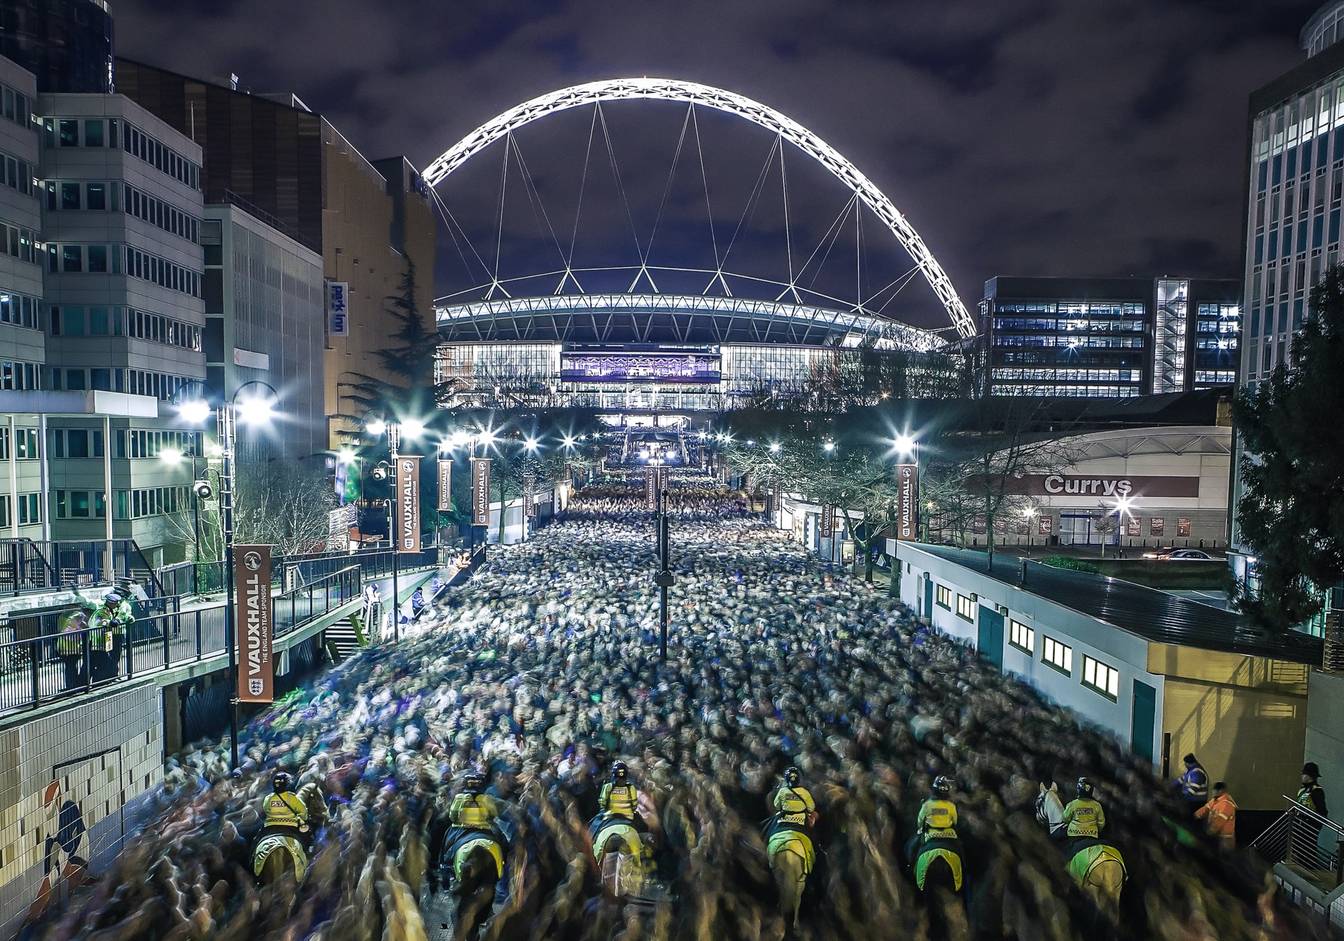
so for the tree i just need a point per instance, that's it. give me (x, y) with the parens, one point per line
(1291, 510)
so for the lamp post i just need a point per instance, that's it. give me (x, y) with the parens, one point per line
(411, 428)
(1030, 514)
(200, 490)
(252, 409)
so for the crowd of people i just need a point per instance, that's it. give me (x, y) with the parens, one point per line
(542, 672)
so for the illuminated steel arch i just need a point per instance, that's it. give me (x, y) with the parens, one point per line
(696, 94)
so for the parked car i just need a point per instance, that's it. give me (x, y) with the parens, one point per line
(1172, 554)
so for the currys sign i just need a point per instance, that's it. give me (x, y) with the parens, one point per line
(1101, 486)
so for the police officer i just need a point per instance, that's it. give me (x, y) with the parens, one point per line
(70, 647)
(1084, 817)
(1311, 794)
(285, 811)
(619, 797)
(472, 810)
(1193, 785)
(937, 818)
(793, 803)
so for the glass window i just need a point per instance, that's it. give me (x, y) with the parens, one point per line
(1021, 636)
(93, 133)
(77, 442)
(1057, 655)
(943, 597)
(72, 258)
(1100, 677)
(68, 132)
(69, 195)
(97, 257)
(96, 196)
(965, 608)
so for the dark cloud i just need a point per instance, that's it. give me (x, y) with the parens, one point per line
(1019, 137)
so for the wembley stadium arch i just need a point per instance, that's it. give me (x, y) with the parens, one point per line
(677, 339)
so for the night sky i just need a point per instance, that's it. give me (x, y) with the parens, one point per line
(1069, 137)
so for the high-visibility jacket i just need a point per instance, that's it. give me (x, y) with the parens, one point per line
(794, 805)
(938, 819)
(1195, 784)
(1313, 796)
(286, 809)
(70, 641)
(1084, 817)
(1221, 813)
(473, 811)
(620, 800)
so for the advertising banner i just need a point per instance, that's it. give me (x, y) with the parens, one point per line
(445, 484)
(827, 521)
(253, 623)
(1133, 526)
(651, 488)
(639, 366)
(1157, 525)
(907, 502)
(1183, 527)
(530, 504)
(338, 308)
(480, 491)
(1046, 525)
(408, 504)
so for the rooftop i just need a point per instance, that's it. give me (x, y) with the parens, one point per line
(1154, 615)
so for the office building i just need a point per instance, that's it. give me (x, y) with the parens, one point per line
(1109, 337)
(65, 44)
(264, 308)
(293, 168)
(1295, 186)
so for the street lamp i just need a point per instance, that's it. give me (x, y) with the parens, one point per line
(411, 428)
(1121, 510)
(1030, 514)
(252, 403)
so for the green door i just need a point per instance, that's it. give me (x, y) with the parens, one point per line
(928, 597)
(990, 643)
(1143, 711)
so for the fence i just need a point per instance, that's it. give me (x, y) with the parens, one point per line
(52, 666)
(30, 565)
(179, 579)
(1306, 842)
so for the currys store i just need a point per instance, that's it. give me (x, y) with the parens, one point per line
(1140, 488)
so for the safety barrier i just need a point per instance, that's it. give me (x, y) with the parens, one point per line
(31, 565)
(39, 670)
(1310, 845)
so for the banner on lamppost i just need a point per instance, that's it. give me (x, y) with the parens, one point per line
(408, 504)
(651, 488)
(907, 502)
(480, 491)
(827, 521)
(445, 484)
(253, 623)
(530, 504)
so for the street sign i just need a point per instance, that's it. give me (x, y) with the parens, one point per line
(408, 504)
(253, 623)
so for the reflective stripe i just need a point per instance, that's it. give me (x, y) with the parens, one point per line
(621, 800)
(281, 812)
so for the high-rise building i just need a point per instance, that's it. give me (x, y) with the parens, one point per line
(367, 220)
(65, 44)
(1295, 186)
(103, 312)
(1109, 337)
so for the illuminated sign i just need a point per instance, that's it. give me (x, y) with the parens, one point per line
(636, 366)
(408, 504)
(338, 308)
(907, 502)
(252, 619)
(480, 491)
(1077, 485)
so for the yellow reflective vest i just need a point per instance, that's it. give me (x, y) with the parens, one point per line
(286, 810)
(794, 804)
(473, 811)
(1084, 817)
(938, 819)
(619, 800)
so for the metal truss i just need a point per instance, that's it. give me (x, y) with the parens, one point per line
(729, 102)
(670, 318)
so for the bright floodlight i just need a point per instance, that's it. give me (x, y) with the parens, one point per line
(774, 447)
(828, 447)
(195, 411)
(1122, 505)
(376, 427)
(904, 443)
(458, 439)
(412, 428)
(345, 456)
(568, 441)
(487, 437)
(531, 444)
(170, 456)
(1029, 512)
(256, 410)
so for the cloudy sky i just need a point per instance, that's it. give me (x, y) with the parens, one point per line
(1068, 137)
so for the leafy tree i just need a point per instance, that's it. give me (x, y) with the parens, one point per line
(1291, 510)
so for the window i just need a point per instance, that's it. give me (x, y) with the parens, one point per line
(1021, 636)
(96, 196)
(68, 131)
(965, 608)
(30, 509)
(93, 133)
(943, 597)
(98, 258)
(25, 444)
(1057, 655)
(1100, 677)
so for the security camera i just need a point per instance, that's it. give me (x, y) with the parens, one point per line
(203, 490)
(379, 472)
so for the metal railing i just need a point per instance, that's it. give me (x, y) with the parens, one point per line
(1308, 843)
(31, 565)
(179, 579)
(60, 664)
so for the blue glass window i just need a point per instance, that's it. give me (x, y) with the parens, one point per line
(1317, 230)
(1287, 240)
(1278, 169)
(1283, 317)
(1274, 244)
(1298, 314)
(1334, 226)
(1259, 249)
(1255, 321)
(1263, 176)
(1292, 163)
(1301, 235)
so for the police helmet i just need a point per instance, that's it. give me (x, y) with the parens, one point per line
(282, 782)
(942, 785)
(620, 772)
(792, 776)
(474, 780)
(1084, 787)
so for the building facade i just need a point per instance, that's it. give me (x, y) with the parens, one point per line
(1109, 337)
(294, 169)
(65, 44)
(1295, 187)
(264, 312)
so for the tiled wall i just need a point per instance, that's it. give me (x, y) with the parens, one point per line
(74, 784)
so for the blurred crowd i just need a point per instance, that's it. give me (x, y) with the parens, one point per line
(544, 669)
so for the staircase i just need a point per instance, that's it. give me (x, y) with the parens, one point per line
(345, 637)
(1307, 851)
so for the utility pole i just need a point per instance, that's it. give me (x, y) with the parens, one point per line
(664, 579)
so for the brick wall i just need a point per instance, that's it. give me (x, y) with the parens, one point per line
(74, 785)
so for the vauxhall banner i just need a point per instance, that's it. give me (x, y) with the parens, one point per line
(408, 504)
(253, 623)
(445, 484)
(651, 488)
(827, 521)
(907, 502)
(529, 501)
(480, 491)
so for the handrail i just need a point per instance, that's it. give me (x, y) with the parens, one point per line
(1295, 840)
(52, 666)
